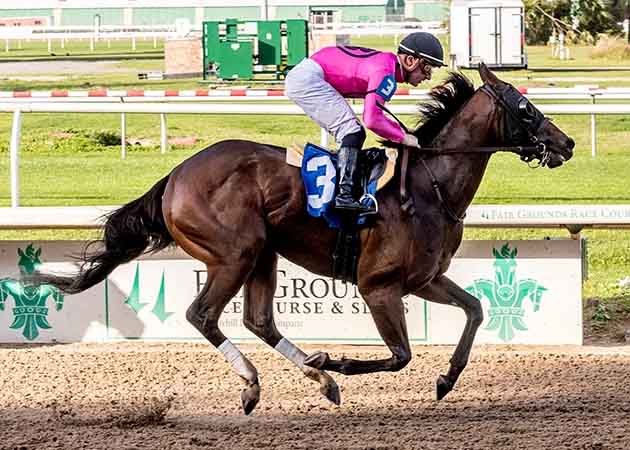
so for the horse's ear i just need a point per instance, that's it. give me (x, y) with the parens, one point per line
(486, 75)
(20, 253)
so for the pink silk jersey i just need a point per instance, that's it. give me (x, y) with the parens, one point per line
(357, 72)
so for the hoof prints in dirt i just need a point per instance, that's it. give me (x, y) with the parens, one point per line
(146, 412)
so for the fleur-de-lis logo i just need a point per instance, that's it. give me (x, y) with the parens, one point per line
(506, 295)
(30, 313)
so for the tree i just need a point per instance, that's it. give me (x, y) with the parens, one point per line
(593, 17)
(585, 19)
(538, 24)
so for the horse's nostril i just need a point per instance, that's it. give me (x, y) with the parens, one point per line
(570, 143)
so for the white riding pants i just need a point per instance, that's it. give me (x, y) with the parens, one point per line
(306, 86)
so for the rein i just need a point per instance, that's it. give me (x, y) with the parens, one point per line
(527, 153)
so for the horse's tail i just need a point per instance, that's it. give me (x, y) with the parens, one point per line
(136, 228)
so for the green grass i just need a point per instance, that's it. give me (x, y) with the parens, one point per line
(538, 56)
(74, 169)
(580, 56)
(78, 48)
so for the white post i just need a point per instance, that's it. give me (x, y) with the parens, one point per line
(6, 45)
(154, 41)
(15, 158)
(324, 139)
(133, 43)
(49, 45)
(593, 131)
(109, 43)
(63, 42)
(91, 44)
(163, 134)
(123, 136)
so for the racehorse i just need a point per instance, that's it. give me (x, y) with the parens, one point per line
(237, 205)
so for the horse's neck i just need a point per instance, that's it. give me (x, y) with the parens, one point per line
(460, 174)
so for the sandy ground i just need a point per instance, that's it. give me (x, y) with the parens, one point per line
(184, 396)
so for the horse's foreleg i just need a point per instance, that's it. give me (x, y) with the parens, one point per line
(258, 318)
(204, 313)
(443, 290)
(388, 313)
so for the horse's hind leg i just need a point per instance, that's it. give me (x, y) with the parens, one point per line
(258, 318)
(388, 313)
(443, 290)
(222, 285)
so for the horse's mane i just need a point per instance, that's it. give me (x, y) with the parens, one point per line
(446, 100)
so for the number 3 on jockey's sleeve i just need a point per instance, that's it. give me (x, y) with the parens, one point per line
(386, 88)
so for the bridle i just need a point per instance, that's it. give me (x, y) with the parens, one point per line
(522, 124)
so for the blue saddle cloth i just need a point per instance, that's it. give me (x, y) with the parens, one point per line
(319, 172)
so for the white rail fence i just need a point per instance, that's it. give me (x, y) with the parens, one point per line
(378, 28)
(16, 36)
(220, 109)
(591, 94)
(572, 217)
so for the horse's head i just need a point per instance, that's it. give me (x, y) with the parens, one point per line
(524, 125)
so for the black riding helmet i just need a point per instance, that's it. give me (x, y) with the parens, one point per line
(423, 45)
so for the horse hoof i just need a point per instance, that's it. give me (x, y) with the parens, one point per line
(442, 387)
(249, 398)
(330, 390)
(317, 360)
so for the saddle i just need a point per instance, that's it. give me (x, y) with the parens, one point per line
(378, 163)
(376, 167)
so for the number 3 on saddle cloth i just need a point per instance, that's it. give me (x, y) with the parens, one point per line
(318, 167)
(319, 174)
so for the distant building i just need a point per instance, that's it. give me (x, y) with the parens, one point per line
(165, 12)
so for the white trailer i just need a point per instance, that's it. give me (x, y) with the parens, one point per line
(489, 31)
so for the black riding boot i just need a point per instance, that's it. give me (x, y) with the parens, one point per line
(347, 164)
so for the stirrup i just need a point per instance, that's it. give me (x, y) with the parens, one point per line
(370, 209)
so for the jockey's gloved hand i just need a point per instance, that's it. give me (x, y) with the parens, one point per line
(410, 141)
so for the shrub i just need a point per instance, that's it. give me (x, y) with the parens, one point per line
(610, 47)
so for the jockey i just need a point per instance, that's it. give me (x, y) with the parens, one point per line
(319, 84)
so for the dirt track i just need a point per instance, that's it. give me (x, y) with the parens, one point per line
(112, 396)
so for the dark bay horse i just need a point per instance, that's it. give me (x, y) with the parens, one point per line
(237, 205)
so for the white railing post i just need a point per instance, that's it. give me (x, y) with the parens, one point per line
(123, 136)
(15, 158)
(324, 139)
(163, 134)
(593, 131)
